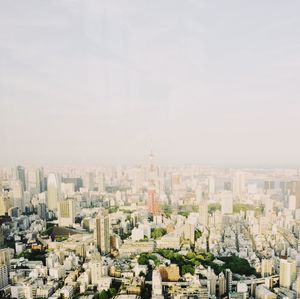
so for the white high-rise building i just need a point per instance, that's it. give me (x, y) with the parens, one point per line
(203, 213)
(211, 282)
(239, 184)
(156, 285)
(53, 191)
(98, 270)
(227, 203)
(211, 185)
(287, 273)
(292, 203)
(222, 284)
(18, 194)
(33, 181)
(199, 193)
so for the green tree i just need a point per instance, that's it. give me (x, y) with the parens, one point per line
(112, 292)
(143, 259)
(213, 207)
(157, 233)
(198, 234)
(187, 269)
(103, 295)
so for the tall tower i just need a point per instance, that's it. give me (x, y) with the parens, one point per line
(153, 205)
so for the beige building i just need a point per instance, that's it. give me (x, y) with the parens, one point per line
(6, 201)
(102, 238)
(66, 213)
(288, 272)
(266, 267)
(130, 247)
(170, 273)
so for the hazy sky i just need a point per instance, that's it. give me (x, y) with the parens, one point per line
(104, 81)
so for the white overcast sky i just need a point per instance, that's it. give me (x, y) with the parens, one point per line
(85, 82)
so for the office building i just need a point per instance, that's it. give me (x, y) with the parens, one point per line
(53, 191)
(66, 213)
(4, 267)
(102, 238)
(288, 272)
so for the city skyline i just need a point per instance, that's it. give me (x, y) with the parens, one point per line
(149, 149)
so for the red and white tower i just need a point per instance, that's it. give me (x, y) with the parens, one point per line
(153, 205)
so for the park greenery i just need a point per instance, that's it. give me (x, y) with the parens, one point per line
(212, 207)
(242, 207)
(144, 259)
(187, 263)
(106, 294)
(167, 210)
(34, 255)
(113, 210)
(157, 233)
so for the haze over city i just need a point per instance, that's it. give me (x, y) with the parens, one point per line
(103, 82)
(149, 149)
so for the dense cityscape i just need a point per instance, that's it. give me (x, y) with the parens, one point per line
(149, 149)
(149, 231)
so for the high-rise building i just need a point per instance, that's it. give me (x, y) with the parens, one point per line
(33, 181)
(42, 210)
(6, 200)
(20, 175)
(211, 282)
(153, 205)
(266, 267)
(222, 284)
(239, 184)
(228, 279)
(53, 191)
(102, 238)
(227, 203)
(1, 238)
(157, 285)
(292, 203)
(295, 190)
(211, 185)
(18, 194)
(199, 193)
(203, 212)
(4, 267)
(298, 286)
(97, 271)
(66, 213)
(189, 232)
(89, 181)
(287, 273)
